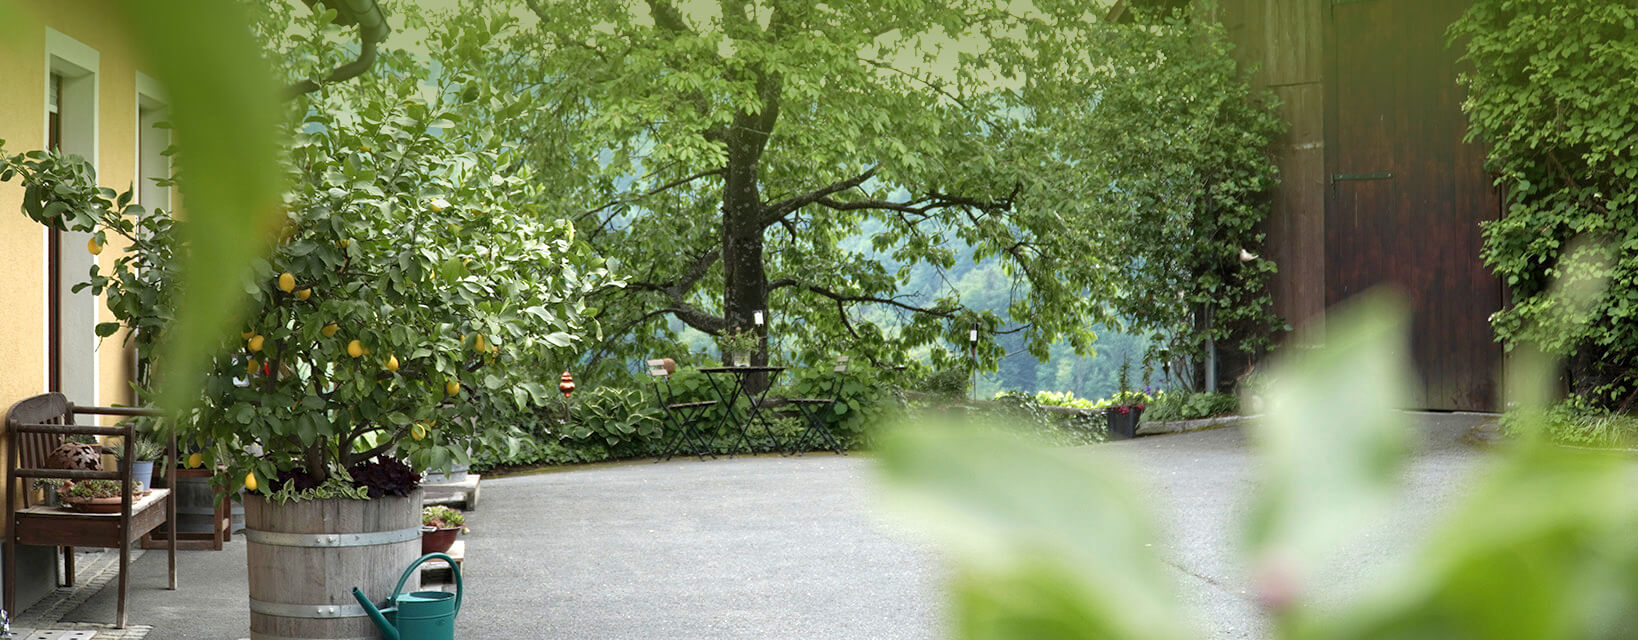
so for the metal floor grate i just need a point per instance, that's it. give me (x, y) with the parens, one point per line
(49, 634)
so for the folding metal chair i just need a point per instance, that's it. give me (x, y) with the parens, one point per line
(683, 416)
(818, 431)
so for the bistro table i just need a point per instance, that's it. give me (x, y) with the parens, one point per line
(753, 415)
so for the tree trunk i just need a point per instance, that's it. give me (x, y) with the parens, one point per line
(745, 281)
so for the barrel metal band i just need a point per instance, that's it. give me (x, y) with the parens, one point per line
(278, 539)
(288, 610)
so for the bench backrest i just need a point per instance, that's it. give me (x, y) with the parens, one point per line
(38, 425)
(33, 448)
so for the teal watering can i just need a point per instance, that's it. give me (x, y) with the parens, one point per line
(422, 615)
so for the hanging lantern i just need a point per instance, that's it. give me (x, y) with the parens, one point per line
(566, 385)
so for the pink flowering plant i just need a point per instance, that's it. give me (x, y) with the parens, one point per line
(1123, 402)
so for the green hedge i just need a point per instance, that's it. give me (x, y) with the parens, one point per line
(1183, 405)
(615, 422)
(1551, 94)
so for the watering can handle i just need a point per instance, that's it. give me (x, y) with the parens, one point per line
(454, 568)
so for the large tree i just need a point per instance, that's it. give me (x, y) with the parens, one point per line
(719, 153)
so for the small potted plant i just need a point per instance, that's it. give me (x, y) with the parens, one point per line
(439, 524)
(1125, 407)
(93, 496)
(147, 450)
(738, 345)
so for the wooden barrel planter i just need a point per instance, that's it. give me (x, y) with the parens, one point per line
(304, 558)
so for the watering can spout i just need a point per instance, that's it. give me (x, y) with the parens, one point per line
(387, 630)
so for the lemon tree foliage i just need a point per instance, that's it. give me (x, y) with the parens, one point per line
(720, 152)
(414, 295)
(1550, 92)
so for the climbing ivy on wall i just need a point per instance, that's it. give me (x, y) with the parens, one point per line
(1551, 91)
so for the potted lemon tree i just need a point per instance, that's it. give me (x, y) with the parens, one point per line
(413, 294)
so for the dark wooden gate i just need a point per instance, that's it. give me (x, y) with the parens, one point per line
(1405, 195)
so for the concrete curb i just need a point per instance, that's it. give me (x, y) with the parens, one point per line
(1185, 426)
(1150, 428)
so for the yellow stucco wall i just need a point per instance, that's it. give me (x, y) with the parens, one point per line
(23, 70)
(22, 241)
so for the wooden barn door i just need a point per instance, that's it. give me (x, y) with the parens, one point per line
(1406, 195)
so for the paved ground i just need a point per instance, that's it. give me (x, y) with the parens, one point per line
(1199, 481)
(778, 548)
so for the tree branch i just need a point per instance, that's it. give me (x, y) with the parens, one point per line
(777, 211)
(892, 302)
(665, 187)
(924, 206)
(698, 319)
(666, 16)
(695, 272)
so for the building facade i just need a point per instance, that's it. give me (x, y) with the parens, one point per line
(71, 82)
(1377, 185)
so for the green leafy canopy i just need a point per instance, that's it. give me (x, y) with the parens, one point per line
(720, 153)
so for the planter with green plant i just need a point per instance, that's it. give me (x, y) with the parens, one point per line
(147, 451)
(93, 496)
(738, 346)
(439, 526)
(1125, 408)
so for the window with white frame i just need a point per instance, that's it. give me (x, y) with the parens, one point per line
(71, 127)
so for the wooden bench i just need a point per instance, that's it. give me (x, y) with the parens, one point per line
(34, 428)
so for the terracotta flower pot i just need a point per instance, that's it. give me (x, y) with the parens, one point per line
(435, 540)
(93, 505)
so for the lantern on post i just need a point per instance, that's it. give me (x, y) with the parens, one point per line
(972, 351)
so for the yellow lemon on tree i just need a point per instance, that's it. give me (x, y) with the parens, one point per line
(477, 343)
(250, 481)
(246, 334)
(287, 282)
(304, 294)
(418, 432)
(93, 246)
(330, 330)
(392, 363)
(250, 367)
(355, 348)
(195, 460)
(452, 387)
(256, 343)
(437, 205)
